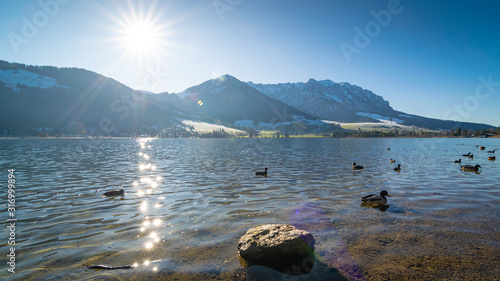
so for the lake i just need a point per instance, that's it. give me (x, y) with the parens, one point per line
(188, 201)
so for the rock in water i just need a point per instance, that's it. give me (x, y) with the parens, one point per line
(279, 246)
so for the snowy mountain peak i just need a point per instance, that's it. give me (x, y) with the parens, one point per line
(327, 99)
(226, 78)
(321, 83)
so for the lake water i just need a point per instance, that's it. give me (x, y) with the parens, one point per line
(188, 201)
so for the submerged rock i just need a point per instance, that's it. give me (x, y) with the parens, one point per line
(279, 246)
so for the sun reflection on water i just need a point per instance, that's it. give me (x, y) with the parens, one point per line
(147, 185)
(144, 206)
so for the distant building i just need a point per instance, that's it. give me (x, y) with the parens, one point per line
(486, 135)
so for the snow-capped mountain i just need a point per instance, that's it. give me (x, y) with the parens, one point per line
(73, 100)
(328, 100)
(349, 103)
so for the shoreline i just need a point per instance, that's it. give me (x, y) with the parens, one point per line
(241, 137)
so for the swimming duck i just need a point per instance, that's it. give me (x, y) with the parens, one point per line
(471, 156)
(492, 151)
(376, 199)
(398, 168)
(470, 168)
(392, 161)
(114, 192)
(482, 148)
(466, 155)
(261, 173)
(356, 167)
(491, 158)
(458, 161)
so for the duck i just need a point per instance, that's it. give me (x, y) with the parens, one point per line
(470, 168)
(376, 199)
(388, 148)
(491, 157)
(458, 161)
(357, 167)
(482, 148)
(114, 193)
(466, 155)
(398, 168)
(492, 151)
(392, 161)
(471, 156)
(262, 173)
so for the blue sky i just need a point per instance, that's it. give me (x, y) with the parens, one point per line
(438, 59)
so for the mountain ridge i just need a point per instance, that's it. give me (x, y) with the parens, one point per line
(345, 102)
(55, 97)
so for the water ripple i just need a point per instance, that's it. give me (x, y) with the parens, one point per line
(184, 195)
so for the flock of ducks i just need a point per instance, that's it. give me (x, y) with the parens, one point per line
(374, 200)
(371, 199)
(471, 168)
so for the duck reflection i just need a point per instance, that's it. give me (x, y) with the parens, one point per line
(381, 207)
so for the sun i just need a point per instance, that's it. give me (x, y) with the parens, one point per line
(140, 31)
(140, 37)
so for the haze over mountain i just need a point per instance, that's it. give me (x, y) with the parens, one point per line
(75, 100)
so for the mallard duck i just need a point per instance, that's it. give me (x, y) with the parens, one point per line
(262, 173)
(470, 168)
(492, 151)
(466, 155)
(356, 167)
(392, 161)
(398, 168)
(482, 148)
(376, 199)
(491, 157)
(458, 161)
(114, 192)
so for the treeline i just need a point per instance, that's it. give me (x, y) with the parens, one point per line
(415, 134)
(218, 134)
(459, 132)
